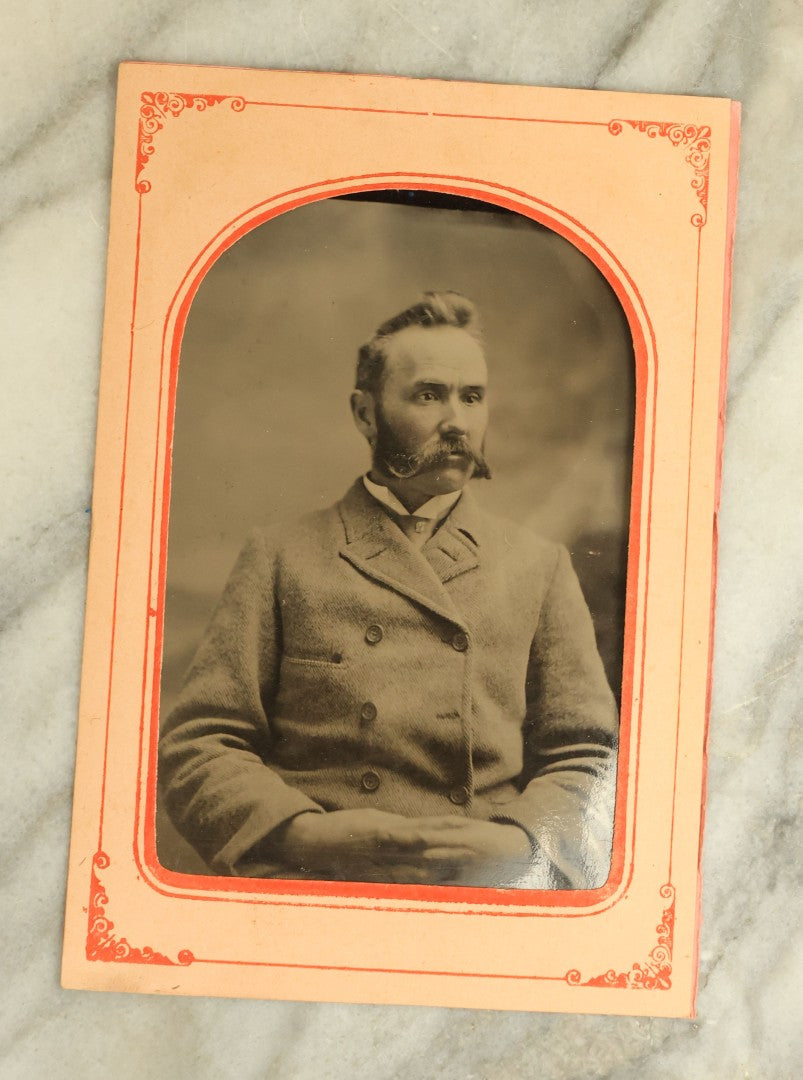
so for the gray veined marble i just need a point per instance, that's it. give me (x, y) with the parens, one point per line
(57, 83)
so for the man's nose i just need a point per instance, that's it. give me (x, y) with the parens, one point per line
(453, 420)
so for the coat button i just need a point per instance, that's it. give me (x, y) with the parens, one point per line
(460, 641)
(369, 781)
(459, 795)
(374, 634)
(368, 711)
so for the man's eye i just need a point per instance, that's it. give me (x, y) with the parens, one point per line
(427, 395)
(472, 399)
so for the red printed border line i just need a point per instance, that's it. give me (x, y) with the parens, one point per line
(104, 945)
(157, 106)
(151, 870)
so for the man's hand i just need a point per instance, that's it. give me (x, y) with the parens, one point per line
(482, 853)
(361, 845)
(372, 845)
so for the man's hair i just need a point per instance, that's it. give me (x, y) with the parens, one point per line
(434, 309)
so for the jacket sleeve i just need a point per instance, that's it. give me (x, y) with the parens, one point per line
(570, 741)
(219, 792)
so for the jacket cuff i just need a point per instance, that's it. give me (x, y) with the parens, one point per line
(233, 859)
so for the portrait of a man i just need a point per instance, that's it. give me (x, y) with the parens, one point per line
(401, 686)
(397, 656)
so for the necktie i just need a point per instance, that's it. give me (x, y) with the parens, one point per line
(417, 529)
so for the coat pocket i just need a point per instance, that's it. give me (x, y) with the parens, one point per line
(335, 660)
(316, 715)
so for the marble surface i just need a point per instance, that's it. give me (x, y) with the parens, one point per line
(58, 82)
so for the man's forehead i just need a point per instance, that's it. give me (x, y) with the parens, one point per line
(444, 353)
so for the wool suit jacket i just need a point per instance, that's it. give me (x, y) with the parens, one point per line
(345, 668)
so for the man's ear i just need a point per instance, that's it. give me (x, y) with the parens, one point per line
(363, 409)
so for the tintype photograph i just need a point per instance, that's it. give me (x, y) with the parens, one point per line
(398, 638)
(397, 553)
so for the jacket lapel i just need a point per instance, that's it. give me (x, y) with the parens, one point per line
(379, 549)
(454, 548)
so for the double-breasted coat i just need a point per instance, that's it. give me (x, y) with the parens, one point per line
(346, 668)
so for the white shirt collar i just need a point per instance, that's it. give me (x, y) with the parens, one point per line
(435, 508)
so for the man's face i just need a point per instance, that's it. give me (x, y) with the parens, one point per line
(432, 413)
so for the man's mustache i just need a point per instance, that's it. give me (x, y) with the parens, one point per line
(404, 464)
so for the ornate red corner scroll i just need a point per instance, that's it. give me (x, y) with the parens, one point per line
(697, 139)
(656, 972)
(103, 944)
(155, 109)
